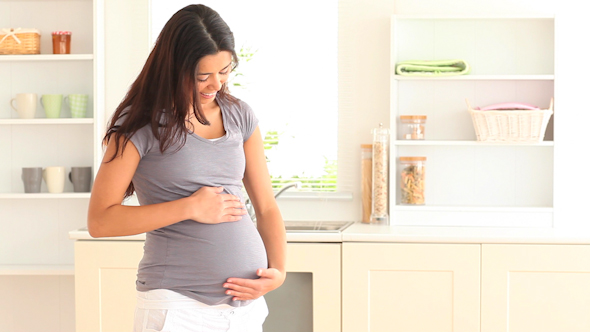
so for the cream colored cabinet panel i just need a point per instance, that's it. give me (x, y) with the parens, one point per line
(535, 288)
(323, 261)
(410, 287)
(106, 273)
(105, 284)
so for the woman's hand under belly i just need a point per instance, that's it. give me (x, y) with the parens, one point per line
(250, 289)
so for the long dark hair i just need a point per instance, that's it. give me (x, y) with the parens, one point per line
(166, 89)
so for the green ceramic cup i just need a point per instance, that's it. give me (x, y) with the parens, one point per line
(52, 105)
(77, 104)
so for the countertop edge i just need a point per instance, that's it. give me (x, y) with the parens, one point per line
(83, 235)
(463, 235)
(366, 233)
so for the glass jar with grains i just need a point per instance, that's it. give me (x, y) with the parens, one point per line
(366, 180)
(379, 197)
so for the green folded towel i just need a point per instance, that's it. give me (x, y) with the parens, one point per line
(433, 68)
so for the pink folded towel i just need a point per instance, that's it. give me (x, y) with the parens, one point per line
(508, 106)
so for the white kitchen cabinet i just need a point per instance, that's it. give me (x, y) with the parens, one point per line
(105, 284)
(410, 287)
(470, 183)
(106, 273)
(535, 288)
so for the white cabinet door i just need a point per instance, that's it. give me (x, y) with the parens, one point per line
(324, 262)
(535, 288)
(105, 284)
(410, 287)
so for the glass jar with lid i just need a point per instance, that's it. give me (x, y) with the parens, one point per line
(412, 127)
(61, 42)
(380, 162)
(366, 180)
(412, 181)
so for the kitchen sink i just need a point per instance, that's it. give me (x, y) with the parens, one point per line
(316, 226)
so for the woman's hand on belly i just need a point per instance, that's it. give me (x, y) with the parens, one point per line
(251, 289)
(207, 205)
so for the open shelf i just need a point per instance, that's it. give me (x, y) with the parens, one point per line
(60, 121)
(467, 143)
(31, 270)
(466, 216)
(37, 257)
(477, 78)
(43, 195)
(447, 208)
(468, 182)
(471, 17)
(46, 57)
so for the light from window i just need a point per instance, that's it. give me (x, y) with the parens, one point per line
(288, 74)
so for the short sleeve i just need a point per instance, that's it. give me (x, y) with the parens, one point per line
(249, 120)
(143, 139)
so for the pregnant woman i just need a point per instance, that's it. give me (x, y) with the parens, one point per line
(185, 146)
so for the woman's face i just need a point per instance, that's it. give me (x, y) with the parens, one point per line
(212, 73)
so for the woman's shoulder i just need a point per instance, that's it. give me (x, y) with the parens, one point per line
(125, 116)
(240, 113)
(141, 136)
(237, 108)
(234, 104)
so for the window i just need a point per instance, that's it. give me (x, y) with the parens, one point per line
(288, 73)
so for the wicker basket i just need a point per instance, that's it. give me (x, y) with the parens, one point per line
(20, 41)
(511, 126)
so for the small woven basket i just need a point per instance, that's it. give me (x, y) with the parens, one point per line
(20, 41)
(511, 126)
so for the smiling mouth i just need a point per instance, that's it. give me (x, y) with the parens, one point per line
(208, 95)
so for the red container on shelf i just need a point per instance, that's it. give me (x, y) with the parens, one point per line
(61, 42)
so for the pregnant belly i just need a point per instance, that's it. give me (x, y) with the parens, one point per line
(199, 258)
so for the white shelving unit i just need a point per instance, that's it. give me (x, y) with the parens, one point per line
(45, 121)
(471, 183)
(34, 247)
(36, 270)
(44, 196)
(465, 143)
(46, 57)
(478, 78)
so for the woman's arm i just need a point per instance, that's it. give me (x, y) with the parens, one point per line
(107, 217)
(269, 222)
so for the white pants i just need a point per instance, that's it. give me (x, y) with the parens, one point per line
(163, 310)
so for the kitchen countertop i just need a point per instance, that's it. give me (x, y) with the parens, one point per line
(82, 234)
(359, 232)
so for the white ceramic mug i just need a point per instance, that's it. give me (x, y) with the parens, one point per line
(55, 178)
(26, 105)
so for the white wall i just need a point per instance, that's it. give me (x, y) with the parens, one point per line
(364, 69)
(364, 88)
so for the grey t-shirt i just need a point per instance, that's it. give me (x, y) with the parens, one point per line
(188, 257)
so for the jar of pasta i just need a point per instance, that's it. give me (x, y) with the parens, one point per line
(412, 126)
(412, 180)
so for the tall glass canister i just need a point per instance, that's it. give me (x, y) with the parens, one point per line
(366, 180)
(380, 193)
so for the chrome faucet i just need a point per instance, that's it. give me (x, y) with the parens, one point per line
(250, 207)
